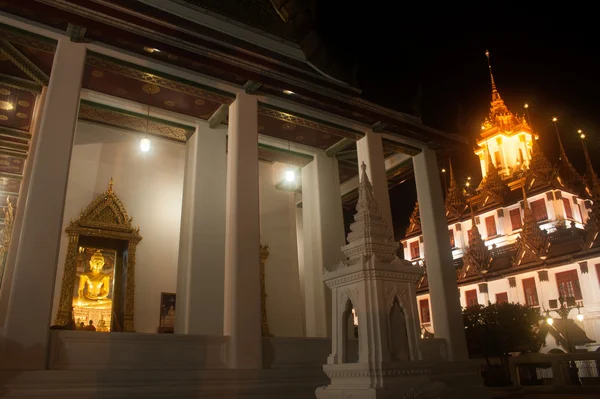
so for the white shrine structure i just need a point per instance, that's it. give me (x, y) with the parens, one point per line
(175, 173)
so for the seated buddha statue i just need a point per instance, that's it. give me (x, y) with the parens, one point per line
(94, 286)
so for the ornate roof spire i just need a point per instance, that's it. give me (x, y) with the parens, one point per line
(499, 113)
(110, 186)
(369, 233)
(477, 256)
(495, 93)
(367, 220)
(532, 245)
(539, 166)
(591, 176)
(414, 225)
(565, 168)
(455, 201)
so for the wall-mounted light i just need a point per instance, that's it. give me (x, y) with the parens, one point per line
(145, 145)
(290, 175)
(288, 92)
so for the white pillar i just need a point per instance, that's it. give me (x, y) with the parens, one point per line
(301, 267)
(201, 268)
(6, 280)
(323, 230)
(443, 289)
(242, 248)
(30, 304)
(370, 151)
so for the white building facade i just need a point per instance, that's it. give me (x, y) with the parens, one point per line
(536, 228)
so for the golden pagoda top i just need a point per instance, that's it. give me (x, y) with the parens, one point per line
(500, 118)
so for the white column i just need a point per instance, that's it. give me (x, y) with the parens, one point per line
(6, 280)
(30, 304)
(301, 267)
(370, 151)
(443, 289)
(201, 270)
(323, 230)
(242, 245)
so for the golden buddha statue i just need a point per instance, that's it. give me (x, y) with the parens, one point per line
(94, 286)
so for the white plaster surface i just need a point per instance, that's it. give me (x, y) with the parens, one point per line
(278, 231)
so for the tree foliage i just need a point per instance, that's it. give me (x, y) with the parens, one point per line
(498, 329)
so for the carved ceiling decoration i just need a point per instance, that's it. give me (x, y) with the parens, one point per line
(149, 87)
(301, 129)
(115, 117)
(16, 106)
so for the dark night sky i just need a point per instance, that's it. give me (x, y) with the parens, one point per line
(541, 60)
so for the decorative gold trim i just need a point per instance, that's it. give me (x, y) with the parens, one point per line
(306, 122)
(139, 123)
(26, 40)
(107, 65)
(104, 217)
(23, 63)
(264, 255)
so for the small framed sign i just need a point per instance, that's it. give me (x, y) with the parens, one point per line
(167, 313)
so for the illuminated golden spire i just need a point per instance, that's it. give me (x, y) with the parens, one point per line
(495, 93)
(499, 113)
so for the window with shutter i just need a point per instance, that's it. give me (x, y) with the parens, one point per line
(451, 234)
(530, 291)
(568, 285)
(414, 250)
(538, 208)
(502, 297)
(471, 298)
(424, 309)
(568, 210)
(490, 225)
(515, 218)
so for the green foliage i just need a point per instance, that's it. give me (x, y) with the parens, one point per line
(498, 329)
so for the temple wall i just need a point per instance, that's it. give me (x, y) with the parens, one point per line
(547, 290)
(150, 186)
(278, 231)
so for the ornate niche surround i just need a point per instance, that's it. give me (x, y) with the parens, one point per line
(104, 218)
